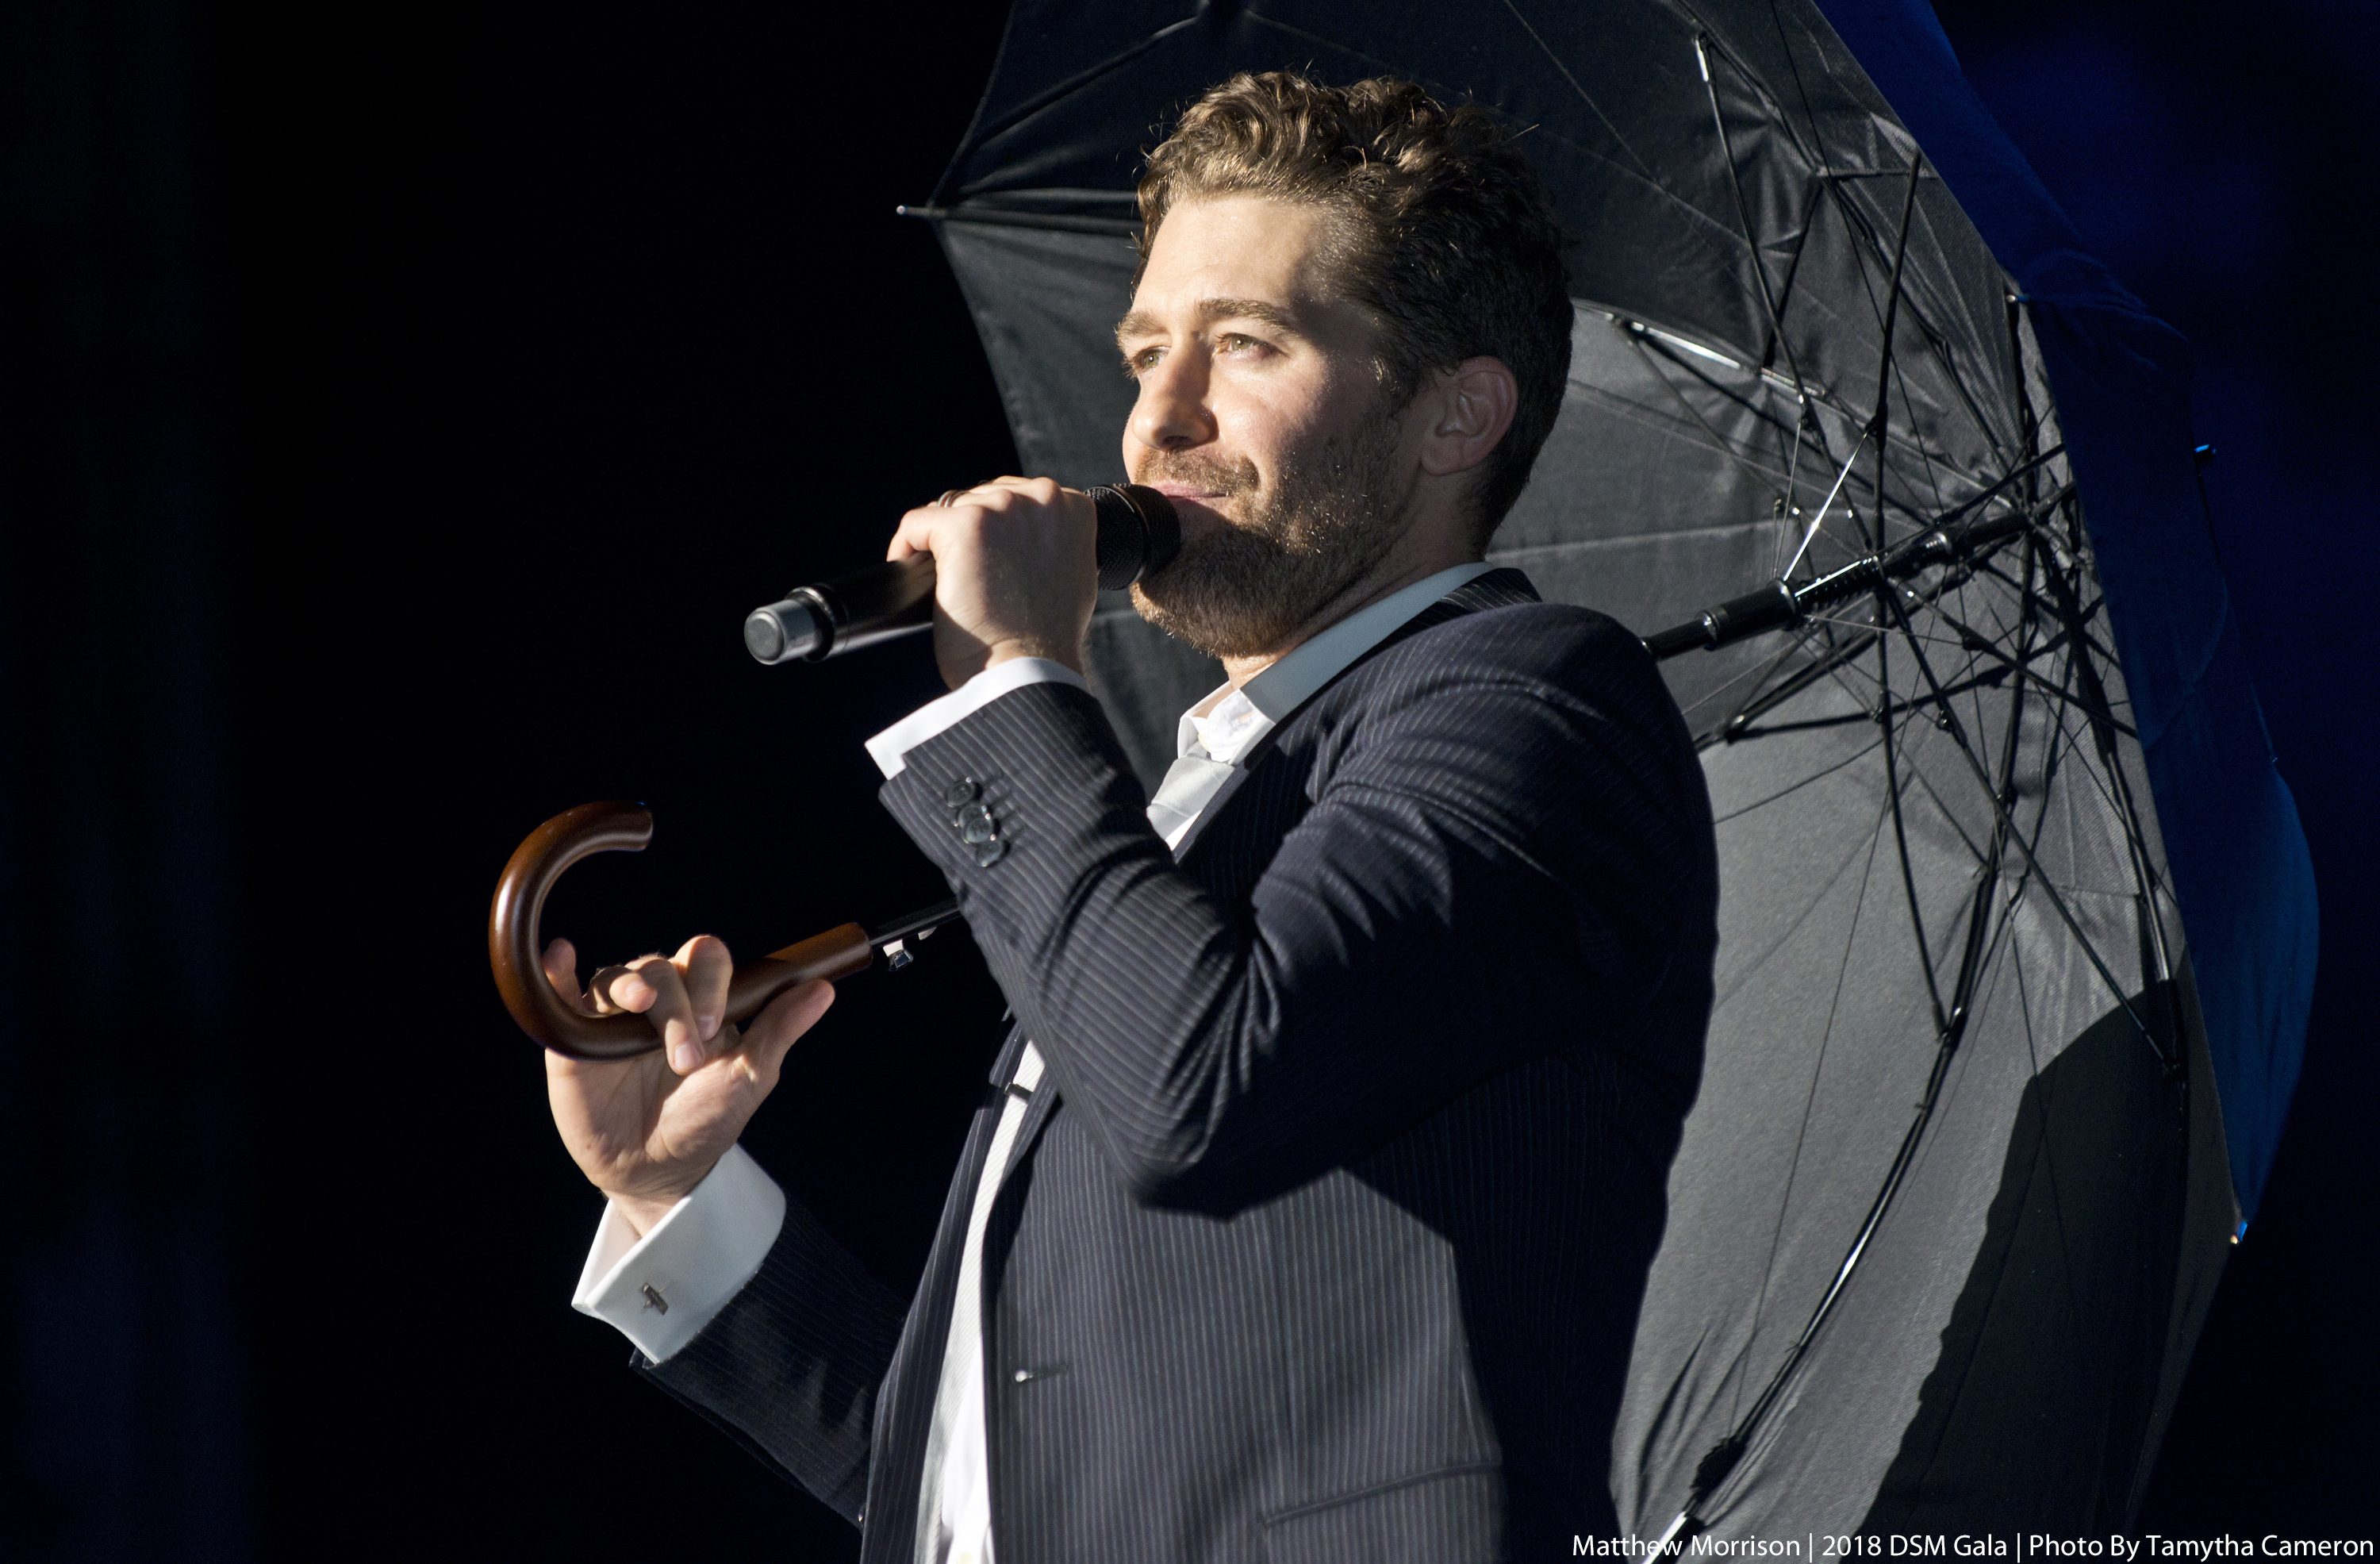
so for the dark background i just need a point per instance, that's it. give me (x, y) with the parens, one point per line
(399, 405)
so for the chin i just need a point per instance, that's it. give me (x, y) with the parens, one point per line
(1235, 592)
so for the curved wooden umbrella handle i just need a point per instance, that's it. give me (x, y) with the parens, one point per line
(514, 948)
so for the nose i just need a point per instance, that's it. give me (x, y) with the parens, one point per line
(1172, 414)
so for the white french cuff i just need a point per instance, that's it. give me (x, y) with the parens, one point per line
(660, 1290)
(888, 748)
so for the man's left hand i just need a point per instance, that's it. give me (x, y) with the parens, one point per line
(1015, 573)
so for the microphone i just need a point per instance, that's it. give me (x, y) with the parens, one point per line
(1138, 535)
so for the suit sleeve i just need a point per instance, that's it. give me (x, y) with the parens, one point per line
(791, 1367)
(1496, 823)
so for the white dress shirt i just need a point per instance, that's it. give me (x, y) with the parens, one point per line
(660, 1289)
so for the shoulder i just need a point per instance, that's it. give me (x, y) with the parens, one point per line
(1557, 649)
(1531, 703)
(1543, 728)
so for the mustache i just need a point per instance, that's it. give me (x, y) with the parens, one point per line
(1210, 472)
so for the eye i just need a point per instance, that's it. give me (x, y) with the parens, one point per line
(1141, 362)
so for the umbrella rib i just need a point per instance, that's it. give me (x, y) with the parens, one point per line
(1720, 731)
(1825, 1040)
(2097, 710)
(2127, 811)
(2067, 739)
(1721, 1458)
(1816, 724)
(1627, 408)
(1974, 850)
(1926, 331)
(1788, 791)
(2087, 613)
(1908, 411)
(1642, 167)
(1819, 516)
(978, 135)
(2042, 1104)
(1759, 675)
(1986, 667)
(1738, 725)
(1877, 421)
(1901, 832)
(2073, 924)
(1725, 446)
(1806, 413)
(1801, 244)
(1836, 657)
(1751, 240)
(1621, 406)
(1963, 987)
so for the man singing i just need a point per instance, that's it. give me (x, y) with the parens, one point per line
(1308, 1208)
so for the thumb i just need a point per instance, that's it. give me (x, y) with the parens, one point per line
(790, 1014)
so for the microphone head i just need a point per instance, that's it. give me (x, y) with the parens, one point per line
(786, 631)
(1138, 535)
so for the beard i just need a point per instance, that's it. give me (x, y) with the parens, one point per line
(1244, 590)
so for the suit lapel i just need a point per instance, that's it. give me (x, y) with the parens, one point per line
(1231, 785)
(1037, 1109)
(1003, 1068)
(1501, 588)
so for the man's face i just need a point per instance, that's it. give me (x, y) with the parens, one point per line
(1261, 414)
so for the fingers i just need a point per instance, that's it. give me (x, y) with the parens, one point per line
(561, 963)
(683, 997)
(706, 966)
(967, 511)
(651, 986)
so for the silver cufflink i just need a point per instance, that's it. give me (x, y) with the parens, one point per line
(653, 1299)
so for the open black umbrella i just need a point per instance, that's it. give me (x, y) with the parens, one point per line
(2017, 923)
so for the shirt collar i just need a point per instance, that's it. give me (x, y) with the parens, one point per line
(1226, 721)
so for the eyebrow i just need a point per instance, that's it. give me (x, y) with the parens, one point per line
(1140, 323)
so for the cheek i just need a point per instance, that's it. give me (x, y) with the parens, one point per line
(1268, 424)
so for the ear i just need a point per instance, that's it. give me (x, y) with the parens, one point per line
(1471, 407)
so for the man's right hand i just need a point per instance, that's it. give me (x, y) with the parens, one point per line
(646, 1130)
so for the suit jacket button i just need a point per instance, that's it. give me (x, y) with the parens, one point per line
(959, 794)
(989, 853)
(977, 830)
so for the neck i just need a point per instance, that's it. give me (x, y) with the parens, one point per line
(1400, 569)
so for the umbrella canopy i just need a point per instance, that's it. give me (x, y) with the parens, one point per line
(2016, 921)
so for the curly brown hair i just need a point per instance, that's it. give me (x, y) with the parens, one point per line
(1441, 229)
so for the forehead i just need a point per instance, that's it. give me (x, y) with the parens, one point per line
(1237, 247)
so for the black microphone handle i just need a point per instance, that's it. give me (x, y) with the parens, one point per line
(1138, 533)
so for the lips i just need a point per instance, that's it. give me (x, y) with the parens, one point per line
(1196, 510)
(1205, 489)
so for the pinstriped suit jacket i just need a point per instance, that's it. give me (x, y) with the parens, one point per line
(1324, 1237)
